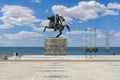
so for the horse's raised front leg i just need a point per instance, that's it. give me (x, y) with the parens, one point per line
(59, 34)
(45, 29)
(67, 27)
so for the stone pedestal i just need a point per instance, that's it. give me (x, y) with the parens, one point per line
(55, 46)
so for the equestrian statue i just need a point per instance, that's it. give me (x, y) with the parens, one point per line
(56, 24)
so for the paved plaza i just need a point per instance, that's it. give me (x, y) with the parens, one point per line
(59, 70)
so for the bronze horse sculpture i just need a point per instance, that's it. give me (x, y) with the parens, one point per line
(53, 25)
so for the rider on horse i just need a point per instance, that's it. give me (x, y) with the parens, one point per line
(56, 24)
(58, 21)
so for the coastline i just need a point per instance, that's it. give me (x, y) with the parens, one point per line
(67, 57)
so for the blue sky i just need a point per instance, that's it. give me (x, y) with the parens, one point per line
(22, 21)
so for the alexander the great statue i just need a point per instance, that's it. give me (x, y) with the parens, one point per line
(56, 23)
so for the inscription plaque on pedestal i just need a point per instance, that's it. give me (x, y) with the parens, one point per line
(55, 46)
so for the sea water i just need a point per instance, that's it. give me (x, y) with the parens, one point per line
(70, 51)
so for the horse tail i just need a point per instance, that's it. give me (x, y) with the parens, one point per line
(67, 27)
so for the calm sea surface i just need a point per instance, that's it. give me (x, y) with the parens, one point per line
(70, 51)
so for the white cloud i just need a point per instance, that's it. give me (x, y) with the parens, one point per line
(75, 32)
(36, 1)
(44, 23)
(16, 15)
(117, 34)
(114, 6)
(110, 12)
(100, 36)
(6, 26)
(89, 31)
(98, 32)
(65, 36)
(68, 19)
(38, 29)
(23, 35)
(85, 10)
